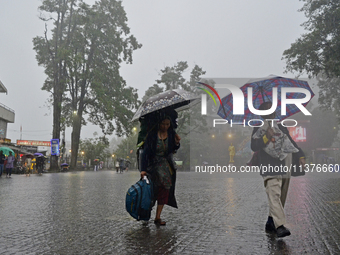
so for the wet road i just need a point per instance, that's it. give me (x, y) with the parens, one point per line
(84, 213)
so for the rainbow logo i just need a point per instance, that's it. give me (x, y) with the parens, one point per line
(204, 99)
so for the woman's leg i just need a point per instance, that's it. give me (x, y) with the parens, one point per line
(162, 199)
(159, 211)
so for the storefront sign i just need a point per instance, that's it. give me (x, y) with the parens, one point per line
(33, 143)
(5, 140)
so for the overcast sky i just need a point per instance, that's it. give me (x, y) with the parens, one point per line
(227, 38)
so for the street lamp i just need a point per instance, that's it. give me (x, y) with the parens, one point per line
(134, 129)
(82, 158)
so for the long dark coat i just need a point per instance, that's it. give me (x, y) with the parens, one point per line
(147, 161)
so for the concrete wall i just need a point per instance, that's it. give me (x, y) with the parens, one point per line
(6, 116)
(6, 113)
(3, 128)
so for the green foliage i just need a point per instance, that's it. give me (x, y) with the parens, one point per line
(82, 60)
(154, 90)
(318, 51)
(322, 130)
(95, 148)
(172, 77)
(127, 148)
(329, 94)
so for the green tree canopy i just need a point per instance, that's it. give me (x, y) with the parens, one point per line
(317, 51)
(96, 147)
(173, 77)
(325, 121)
(93, 42)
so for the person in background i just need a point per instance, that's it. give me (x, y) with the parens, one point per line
(117, 165)
(9, 165)
(40, 164)
(122, 165)
(2, 162)
(231, 150)
(28, 162)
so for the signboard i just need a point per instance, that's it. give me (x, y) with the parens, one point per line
(55, 147)
(298, 134)
(33, 143)
(5, 140)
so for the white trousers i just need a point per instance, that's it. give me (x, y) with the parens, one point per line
(277, 190)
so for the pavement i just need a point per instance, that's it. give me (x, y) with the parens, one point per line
(220, 213)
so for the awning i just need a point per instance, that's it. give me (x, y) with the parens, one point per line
(16, 149)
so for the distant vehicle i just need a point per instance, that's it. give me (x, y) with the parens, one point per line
(64, 167)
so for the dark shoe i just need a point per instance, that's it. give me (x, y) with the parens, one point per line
(270, 227)
(159, 222)
(282, 231)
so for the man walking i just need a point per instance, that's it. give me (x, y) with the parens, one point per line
(275, 149)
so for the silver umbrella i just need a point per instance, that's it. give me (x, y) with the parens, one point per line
(176, 99)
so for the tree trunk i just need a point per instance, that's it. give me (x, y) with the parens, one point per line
(75, 137)
(56, 127)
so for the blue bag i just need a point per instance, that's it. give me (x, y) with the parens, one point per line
(138, 201)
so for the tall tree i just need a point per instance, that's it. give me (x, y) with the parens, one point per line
(51, 55)
(317, 52)
(100, 42)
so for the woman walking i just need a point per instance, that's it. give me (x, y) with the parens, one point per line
(160, 143)
(9, 165)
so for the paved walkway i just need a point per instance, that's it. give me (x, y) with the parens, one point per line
(84, 213)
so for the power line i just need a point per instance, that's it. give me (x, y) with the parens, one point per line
(14, 130)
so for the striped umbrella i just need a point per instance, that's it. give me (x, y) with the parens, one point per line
(263, 92)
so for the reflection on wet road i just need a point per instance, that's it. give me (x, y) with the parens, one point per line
(84, 213)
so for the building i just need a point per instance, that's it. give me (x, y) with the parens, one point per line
(7, 115)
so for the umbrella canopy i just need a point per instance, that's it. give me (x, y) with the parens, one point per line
(6, 150)
(64, 164)
(262, 92)
(38, 154)
(28, 155)
(176, 99)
